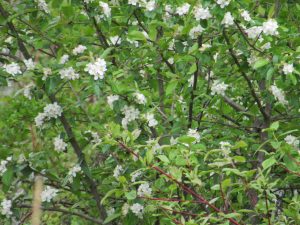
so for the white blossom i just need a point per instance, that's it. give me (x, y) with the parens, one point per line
(253, 32)
(144, 190)
(195, 134)
(228, 19)
(150, 6)
(73, 172)
(68, 73)
(48, 193)
(266, 46)
(278, 94)
(130, 113)
(135, 175)
(39, 119)
(79, 49)
(64, 59)
(292, 140)
(46, 71)
(53, 110)
(110, 211)
(3, 165)
(50, 111)
(137, 209)
(204, 47)
(96, 69)
(9, 40)
(218, 87)
(133, 2)
(88, 1)
(288, 68)
(27, 92)
(12, 68)
(223, 3)
(111, 99)
(140, 98)
(152, 122)
(115, 40)
(183, 9)
(117, 171)
(125, 209)
(196, 31)
(201, 13)
(59, 144)
(30, 65)
(105, 9)
(246, 16)
(225, 147)
(270, 27)
(6, 207)
(43, 6)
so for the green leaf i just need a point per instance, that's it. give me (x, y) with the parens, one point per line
(131, 195)
(274, 126)
(111, 218)
(269, 162)
(171, 87)
(186, 139)
(108, 194)
(7, 177)
(260, 63)
(136, 35)
(164, 159)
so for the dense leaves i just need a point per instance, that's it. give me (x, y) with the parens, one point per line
(150, 112)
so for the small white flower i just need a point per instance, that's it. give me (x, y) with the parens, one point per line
(288, 68)
(140, 98)
(133, 2)
(9, 40)
(73, 172)
(39, 119)
(223, 3)
(152, 122)
(130, 113)
(48, 194)
(43, 6)
(270, 27)
(96, 69)
(79, 49)
(204, 47)
(110, 211)
(27, 92)
(201, 13)
(292, 140)
(266, 46)
(59, 144)
(246, 16)
(125, 209)
(150, 6)
(195, 134)
(117, 171)
(30, 65)
(253, 32)
(64, 59)
(225, 147)
(46, 72)
(191, 81)
(6, 207)
(111, 99)
(68, 73)
(196, 31)
(228, 19)
(12, 69)
(115, 40)
(3, 165)
(105, 9)
(183, 9)
(52, 110)
(144, 190)
(137, 209)
(278, 94)
(218, 87)
(135, 175)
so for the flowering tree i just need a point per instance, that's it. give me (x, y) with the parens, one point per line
(150, 112)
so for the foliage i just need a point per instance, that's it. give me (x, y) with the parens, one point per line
(150, 112)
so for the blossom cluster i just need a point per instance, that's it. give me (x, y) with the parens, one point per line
(50, 111)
